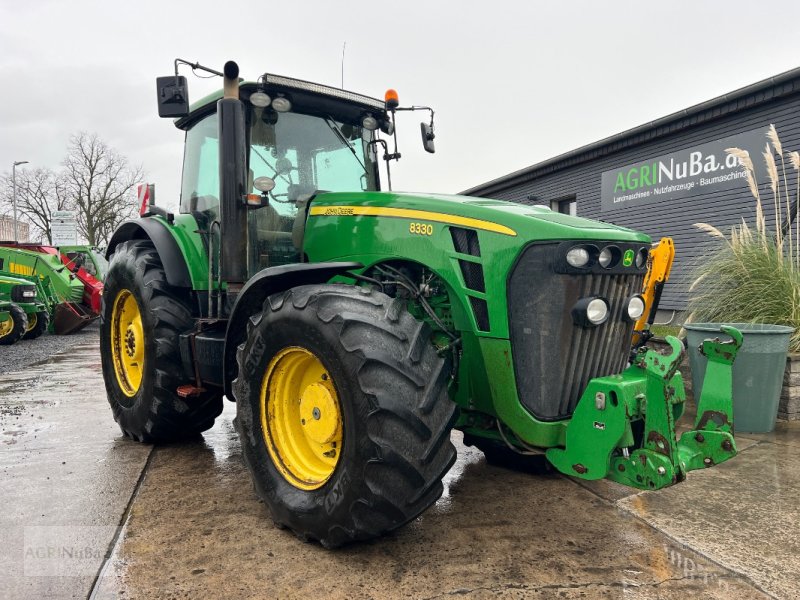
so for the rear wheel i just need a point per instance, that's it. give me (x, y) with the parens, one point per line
(12, 330)
(142, 317)
(37, 325)
(343, 412)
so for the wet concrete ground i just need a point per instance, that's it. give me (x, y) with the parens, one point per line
(190, 525)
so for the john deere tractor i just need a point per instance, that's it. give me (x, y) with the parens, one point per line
(23, 292)
(20, 311)
(354, 327)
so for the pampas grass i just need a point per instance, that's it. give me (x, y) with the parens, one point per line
(754, 277)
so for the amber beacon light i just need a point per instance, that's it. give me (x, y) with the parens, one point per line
(391, 98)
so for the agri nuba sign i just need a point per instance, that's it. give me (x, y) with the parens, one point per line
(693, 171)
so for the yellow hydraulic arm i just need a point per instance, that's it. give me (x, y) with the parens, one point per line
(659, 264)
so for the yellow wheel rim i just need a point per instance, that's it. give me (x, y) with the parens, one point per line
(6, 326)
(301, 418)
(127, 343)
(31, 322)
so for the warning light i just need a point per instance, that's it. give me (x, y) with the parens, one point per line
(391, 98)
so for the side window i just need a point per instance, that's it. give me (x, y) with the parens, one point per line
(566, 206)
(200, 184)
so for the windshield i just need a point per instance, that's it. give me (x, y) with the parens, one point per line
(304, 154)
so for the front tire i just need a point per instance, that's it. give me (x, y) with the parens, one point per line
(142, 317)
(392, 441)
(38, 325)
(12, 331)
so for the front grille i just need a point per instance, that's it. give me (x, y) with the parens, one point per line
(481, 311)
(465, 241)
(554, 359)
(473, 275)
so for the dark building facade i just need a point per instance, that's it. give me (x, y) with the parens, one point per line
(663, 177)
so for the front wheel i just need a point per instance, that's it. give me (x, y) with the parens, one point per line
(142, 317)
(37, 325)
(12, 329)
(343, 412)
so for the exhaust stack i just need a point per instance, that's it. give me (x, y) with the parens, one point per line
(232, 180)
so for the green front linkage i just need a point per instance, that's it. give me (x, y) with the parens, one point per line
(600, 436)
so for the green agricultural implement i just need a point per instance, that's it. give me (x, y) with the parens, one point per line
(88, 257)
(60, 288)
(355, 328)
(27, 294)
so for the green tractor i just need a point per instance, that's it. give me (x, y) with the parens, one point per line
(355, 328)
(24, 294)
(19, 311)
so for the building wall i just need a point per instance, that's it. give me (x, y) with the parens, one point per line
(7, 229)
(676, 217)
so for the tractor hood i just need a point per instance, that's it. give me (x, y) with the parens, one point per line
(500, 216)
(7, 280)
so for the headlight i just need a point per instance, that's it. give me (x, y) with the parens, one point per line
(260, 99)
(609, 257)
(590, 312)
(597, 311)
(369, 123)
(635, 308)
(281, 104)
(22, 293)
(641, 258)
(578, 256)
(605, 257)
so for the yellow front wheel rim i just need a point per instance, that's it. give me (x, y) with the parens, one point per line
(6, 326)
(301, 418)
(127, 343)
(31, 322)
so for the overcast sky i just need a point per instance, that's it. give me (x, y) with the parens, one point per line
(512, 83)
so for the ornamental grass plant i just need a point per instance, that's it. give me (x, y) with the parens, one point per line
(754, 275)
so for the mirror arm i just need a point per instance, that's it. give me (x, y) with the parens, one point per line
(386, 157)
(194, 66)
(428, 108)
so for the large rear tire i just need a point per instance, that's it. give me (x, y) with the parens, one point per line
(357, 362)
(142, 317)
(12, 331)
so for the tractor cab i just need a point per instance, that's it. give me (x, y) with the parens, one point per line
(302, 139)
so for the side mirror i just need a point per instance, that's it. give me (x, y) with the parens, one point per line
(173, 96)
(427, 137)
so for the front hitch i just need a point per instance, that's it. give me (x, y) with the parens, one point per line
(623, 427)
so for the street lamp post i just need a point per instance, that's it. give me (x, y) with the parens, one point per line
(14, 194)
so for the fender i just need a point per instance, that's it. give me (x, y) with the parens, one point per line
(168, 250)
(265, 283)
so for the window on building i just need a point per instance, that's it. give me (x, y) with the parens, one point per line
(566, 206)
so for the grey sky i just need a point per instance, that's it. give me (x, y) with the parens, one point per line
(512, 83)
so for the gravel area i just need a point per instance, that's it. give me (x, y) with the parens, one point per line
(27, 352)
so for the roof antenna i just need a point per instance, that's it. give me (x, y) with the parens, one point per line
(344, 45)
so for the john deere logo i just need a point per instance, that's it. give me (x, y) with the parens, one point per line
(627, 259)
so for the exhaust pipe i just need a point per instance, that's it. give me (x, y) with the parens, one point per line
(232, 181)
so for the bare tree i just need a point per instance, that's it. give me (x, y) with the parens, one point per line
(39, 193)
(99, 183)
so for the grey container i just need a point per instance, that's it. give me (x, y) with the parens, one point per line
(757, 371)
